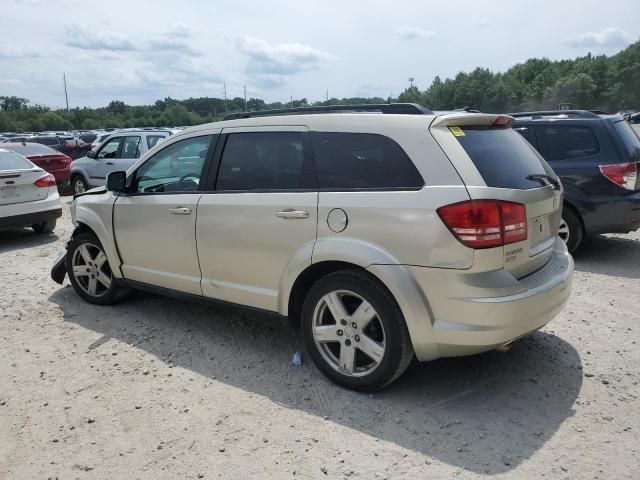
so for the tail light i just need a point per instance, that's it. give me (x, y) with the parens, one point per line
(46, 180)
(66, 160)
(486, 223)
(624, 175)
(502, 121)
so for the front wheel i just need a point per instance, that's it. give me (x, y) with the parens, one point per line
(79, 184)
(355, 332)
(89, 270)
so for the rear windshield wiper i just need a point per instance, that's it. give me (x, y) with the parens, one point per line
(545, 180)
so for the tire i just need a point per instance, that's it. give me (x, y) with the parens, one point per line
(571, 229)
(78, 184)
(96, 283)
(385, 335)
(44, 227)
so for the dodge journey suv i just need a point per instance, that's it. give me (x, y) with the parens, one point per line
(384, 231)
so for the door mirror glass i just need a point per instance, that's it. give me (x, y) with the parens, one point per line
(117, 181)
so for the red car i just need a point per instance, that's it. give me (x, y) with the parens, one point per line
(50, 160)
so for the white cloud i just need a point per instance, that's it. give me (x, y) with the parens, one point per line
(93, 39)
(10, 52)
(484, 23)
(280, 59)
(605, 38)
(413, 33)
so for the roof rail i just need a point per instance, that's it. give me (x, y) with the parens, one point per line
(399, 108)
(548, 113)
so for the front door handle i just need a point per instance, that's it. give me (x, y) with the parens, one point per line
(108, 163)
(291, 214)
(180, 211)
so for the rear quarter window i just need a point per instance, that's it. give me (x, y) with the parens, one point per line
(503, 158)
(362, 161)
(628, 140)
(13, 161)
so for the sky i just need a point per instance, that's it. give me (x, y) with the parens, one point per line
(141, 51)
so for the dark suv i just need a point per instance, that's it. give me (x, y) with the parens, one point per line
(597, 157)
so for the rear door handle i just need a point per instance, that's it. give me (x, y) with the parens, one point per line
(180, 211)
(108, 163)
(292, 214)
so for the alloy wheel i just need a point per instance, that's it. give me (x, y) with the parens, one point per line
(78, 186)
(348, 333)
(91, 270)
(563, 231)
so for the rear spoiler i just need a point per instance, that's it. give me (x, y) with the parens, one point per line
(477, 119)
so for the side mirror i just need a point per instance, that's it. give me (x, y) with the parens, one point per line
(91, 154)
(117, 181)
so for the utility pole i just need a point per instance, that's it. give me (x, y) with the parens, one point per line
(327, 95)
(291, 102)
(66, 97)
(225, 97)
(245, 98)
(411, 80)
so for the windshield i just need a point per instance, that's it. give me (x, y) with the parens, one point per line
(31, 149)
(13, 161)
(503, 157)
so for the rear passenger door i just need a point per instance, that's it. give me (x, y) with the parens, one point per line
(258, 214)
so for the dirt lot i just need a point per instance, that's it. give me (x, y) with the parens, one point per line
(158, 388)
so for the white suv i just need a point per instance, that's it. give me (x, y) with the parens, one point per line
(382, 233)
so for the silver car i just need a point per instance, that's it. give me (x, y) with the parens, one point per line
(384, 235)
(118, 152)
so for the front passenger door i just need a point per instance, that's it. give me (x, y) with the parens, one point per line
(155, 225)
(104, 161)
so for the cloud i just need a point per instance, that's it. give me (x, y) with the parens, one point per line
(484, 23)
(84, 38)
(10, 52)
(274, 62)
(413, 33)
(28, 2)
(179, 30)
(606, 38)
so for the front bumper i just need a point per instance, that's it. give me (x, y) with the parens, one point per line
(473, 315)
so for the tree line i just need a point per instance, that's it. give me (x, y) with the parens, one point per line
(591, 82)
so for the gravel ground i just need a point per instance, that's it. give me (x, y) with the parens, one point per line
(159, 388)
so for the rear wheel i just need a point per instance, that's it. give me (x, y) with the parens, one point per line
(79, 184)
(44, 227)
(355, 332)
(89, 270)
(571, 231)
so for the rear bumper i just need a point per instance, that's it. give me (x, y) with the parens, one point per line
(29, 219)
(611, 214)
(473, 313)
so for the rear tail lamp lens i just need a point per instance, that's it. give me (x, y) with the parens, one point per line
(46, 180)
(486, 223)
(624, 175)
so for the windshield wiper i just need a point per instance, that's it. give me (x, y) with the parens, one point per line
(545, 180)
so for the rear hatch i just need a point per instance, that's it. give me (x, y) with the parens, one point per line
(497, 164)
(18, 179)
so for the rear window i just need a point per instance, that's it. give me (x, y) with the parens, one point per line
(31, 149)
(629, 140)
(362, 161)
(13, 161)
(46, 140)
(503, 158)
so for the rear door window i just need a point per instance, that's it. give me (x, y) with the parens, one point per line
(152, 140)
(347, 161)
(502, 157)
(565, 142)
(266, 161)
